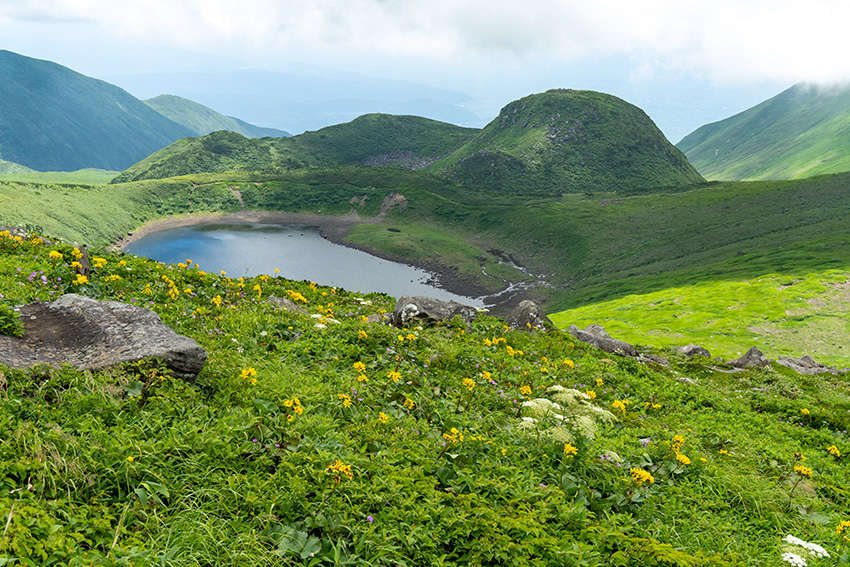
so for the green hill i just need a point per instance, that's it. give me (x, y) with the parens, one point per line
(11, 167)
(376, 139)
(802, 132)
(566, 141)
(54, 119)
(202, 120)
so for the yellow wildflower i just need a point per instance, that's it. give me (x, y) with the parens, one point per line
(805, 411)
(453, 436)
(394, 375)
(130, 459)
(409, 404)
(81, 279)
(362, 378)
(525, 390)
(359, 366)
(833, 450)
(340, 468)
(803, 471)
(599, 382)
(683, 459)
(469, 384)
(345, 399)
(640, 476)
(216, 300)
(570, 451)
(569, 363)
(55, 256)
(361, 334)
(619, 405)
(382, 417)
(248, 372)
(591, 394)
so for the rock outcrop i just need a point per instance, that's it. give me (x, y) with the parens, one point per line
(806, 365)
(421, 310)
(754, 358)
(527, 316)
(597, 336)
(693, 350)
(94, 335)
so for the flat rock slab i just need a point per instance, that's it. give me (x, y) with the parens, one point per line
(421, 310)
(807, 365)
(94, 335)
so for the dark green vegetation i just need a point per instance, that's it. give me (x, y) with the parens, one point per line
(201, 120)
(557, 142)
(801, 132)
(309, 442)
(54, 119)
(381, 139)
(566, 141)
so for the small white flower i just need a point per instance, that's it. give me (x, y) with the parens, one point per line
(263, 333)
(320, 326)
(813, 548)
(794, 559)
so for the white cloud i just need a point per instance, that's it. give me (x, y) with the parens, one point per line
(722, 40)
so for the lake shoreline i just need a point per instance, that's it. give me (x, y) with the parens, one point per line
(333, 229)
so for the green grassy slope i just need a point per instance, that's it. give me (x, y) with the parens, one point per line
(801, 132)
(11, 167)
(201, 120)
(566, 141)
(79, 177)
(350, 443)
(408, 141)
(54, 119)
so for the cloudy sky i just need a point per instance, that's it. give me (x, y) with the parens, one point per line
(686, 63)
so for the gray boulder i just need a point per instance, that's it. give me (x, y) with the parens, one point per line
(597, 336)
(421, 310)
(693, 350)
(94, 335)
(753, 358)
(527, 316)
(806, 365)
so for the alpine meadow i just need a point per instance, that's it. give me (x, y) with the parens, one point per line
(635, 425)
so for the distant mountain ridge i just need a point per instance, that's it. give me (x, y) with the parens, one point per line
(372, 139)
(560, 141)
(55, 119)
(201, 120)
(801, 132)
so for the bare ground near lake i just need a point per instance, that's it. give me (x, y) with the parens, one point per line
(333, 228)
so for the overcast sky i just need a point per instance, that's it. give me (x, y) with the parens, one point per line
(684, 62)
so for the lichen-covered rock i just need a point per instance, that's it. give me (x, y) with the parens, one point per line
(421, 310)
(94, 335)
(528, 316)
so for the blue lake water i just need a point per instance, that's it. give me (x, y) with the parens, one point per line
(299, 252)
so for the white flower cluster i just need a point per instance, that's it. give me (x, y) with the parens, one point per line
(794, 559)
(812, 548)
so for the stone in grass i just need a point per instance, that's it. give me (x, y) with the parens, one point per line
(596, 335)
(421, 310)
(753, 358)
(527, 316)
(806, 365)
(693, 350)
(94, 335)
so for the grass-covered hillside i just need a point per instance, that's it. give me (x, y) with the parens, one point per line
(201, 120)
(372, 139)
(801, 132)
(79, 177)
(554, 143)
(323, 439)
(567, 141)
(54, 119)
(587, 249)
(11, 167)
